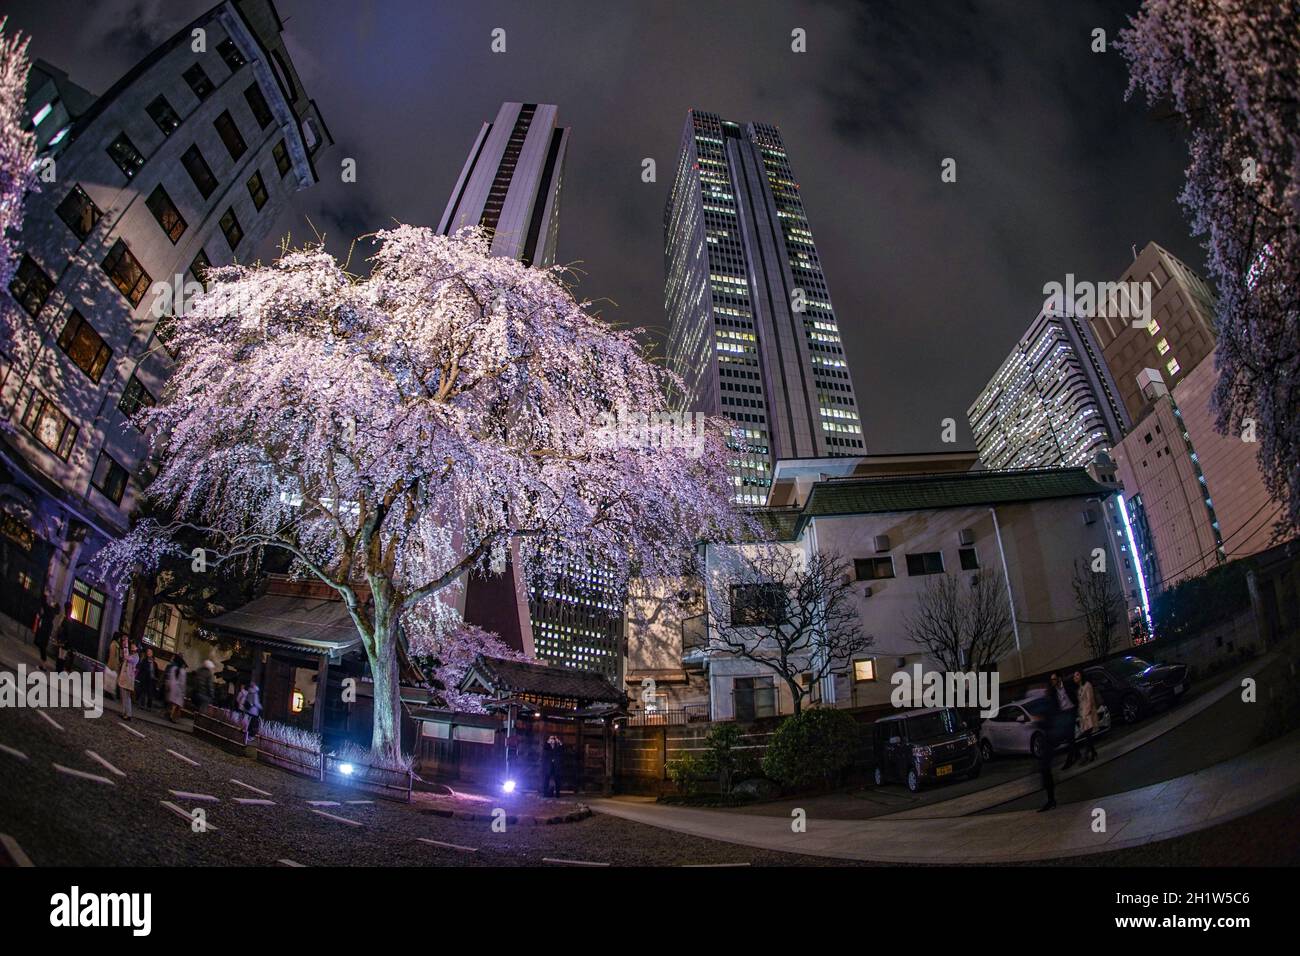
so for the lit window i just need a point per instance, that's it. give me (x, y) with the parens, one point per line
(864, 670)
(41, 113)
(1173, 366)
(1162, 346)
(1153, 327)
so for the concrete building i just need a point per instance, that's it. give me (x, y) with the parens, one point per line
(183, 163)
(1052, 402)
(1030, 526)
(1179, 335)
(510, 183)
(752, 331)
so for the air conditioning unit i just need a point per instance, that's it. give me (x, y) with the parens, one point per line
(882, 542)
(966, 535)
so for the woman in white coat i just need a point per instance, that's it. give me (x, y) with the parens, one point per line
(1088, 721)
(126, 681)
(174, 681)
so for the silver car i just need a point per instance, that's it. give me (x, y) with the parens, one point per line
(1014, 729)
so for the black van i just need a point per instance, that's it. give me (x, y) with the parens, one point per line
(924, 745)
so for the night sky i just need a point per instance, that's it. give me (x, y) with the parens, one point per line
(932, 282)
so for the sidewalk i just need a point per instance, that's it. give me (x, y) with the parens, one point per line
(1185, 804)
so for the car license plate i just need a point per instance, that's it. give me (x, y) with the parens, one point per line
(945, 769)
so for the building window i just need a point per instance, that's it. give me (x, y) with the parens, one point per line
(52, 428)
(165, 331)
(165, 211)
(257, 189)
(87, 604)
(79, 212)
(109, 478)
(864, 671)
(871, 569)
(199, 268)
(158, 631)
(257, 103)
(123, 152)
(281, 154)
(230, 228)
(230, 135)
(161, 112)
(135, 397)
(227, 50)
(970, 561)
(30, 286)
(757, 605)
(755, 697)
(198, 81)
(1153, 327)
(926, 562)
(199, 171)
(1162, 346)
(1173, 366)
(126, 272)
(88, 351)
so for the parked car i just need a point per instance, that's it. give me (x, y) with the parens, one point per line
(1015, 728)
(922, 746)
(1133, 688)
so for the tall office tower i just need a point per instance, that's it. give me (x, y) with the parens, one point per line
(510, 183)
(185, 162)
(1052, 403)
(1179, 335)
(751, 329)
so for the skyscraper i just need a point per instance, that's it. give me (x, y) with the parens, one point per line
(752, 332)
(510, 183)
(185, 162)
(1052, 403)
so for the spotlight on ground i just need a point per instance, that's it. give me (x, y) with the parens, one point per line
(508, 786)
(345, 769)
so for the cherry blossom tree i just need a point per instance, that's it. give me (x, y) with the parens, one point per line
(17, 153)
(1231, 70)
(451, 652)
(396, 432)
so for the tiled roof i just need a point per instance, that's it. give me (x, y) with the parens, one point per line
(316, 625)
(528, 677)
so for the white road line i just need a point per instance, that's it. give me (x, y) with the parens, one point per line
(330, 816)
(185, 814)
(53, 723)
(548, 859)
(288, 862)
(186, 795)
(449, 846)
(104, 763)
(9, 846)
(254, 802)
(706, 866)
(83, 775)
(357, 803)
(322, 803)
(249, 786)
(193, 763)
(12, 752)
(131, 730)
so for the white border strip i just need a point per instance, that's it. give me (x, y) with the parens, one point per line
(449, 846)
(253, 802)
(11, 848)
(82, 774)
(53, 723)
(131, 730)
(185, 815)
(330, 816)
(551, 859)
(193, 763)
(17, 754)
(104, 763)
(249, 786)
(186, 795)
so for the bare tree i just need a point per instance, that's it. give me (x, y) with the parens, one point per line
(1100, 601)
(964, 626)
(791, 614)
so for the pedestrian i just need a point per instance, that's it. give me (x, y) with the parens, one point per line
(174, 687)
(146, 678)
(1069, 710)
(240, 696)
(1088, 720)
(1049, 726)
(59, 639)
(45, 619)
(552, 765)
(126, 680)
(253, 708)
(203, 686)
(114, 662)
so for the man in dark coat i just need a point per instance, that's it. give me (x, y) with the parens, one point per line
(43, 626)
(552, 765)
(1049, 725)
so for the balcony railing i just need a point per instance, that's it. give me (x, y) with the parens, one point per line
(668, 716)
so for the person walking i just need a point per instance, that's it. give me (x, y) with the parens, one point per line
(126, 680)
(253, 707)
(146, 678)
(174, 679)
(1088, 719)
(552, 766)
(240, 697)
(44, 627)
(1049, 722)
(203, 686)
(114, 662)
(59, 639)
(1063, 692)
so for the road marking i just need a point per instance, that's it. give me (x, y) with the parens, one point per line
(549, 859)
(12, 752)
(186, 795)
(330, 816)
(131, 730)
(9, 847)
(53, 723)
(449, 846)
(705, 866)
(322, 803)
(83, 775)
(249, 786)
(288, 862)
(186, 815)
(357, 803)
(193, 763)
(104, 763)
(254, 802)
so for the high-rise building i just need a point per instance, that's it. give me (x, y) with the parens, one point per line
(510, 183)
(184, 163)
(752, 332)
(1178, 336)
(1052, 403)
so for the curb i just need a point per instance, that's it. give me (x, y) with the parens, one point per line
(514, 819)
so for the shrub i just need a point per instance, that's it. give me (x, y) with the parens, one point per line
(724, 754)
(293, 736)
(687, 771)
(813, 747)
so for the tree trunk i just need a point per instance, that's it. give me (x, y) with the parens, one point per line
(145, 587)
(796, 695)
(386, 740)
